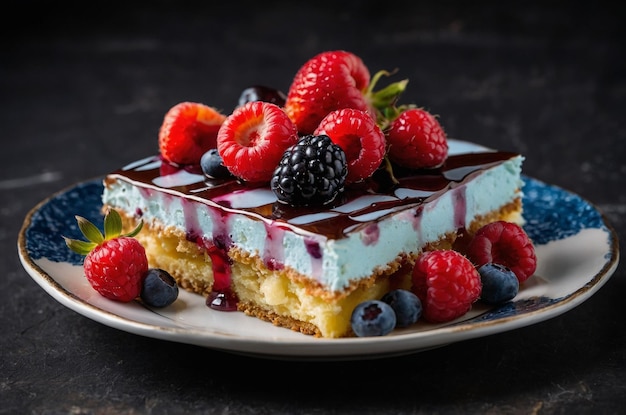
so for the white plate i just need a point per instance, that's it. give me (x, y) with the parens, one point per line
(577, 252)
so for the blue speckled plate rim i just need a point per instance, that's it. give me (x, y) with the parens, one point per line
(326, 349)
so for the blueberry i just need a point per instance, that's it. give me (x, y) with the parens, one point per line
(499, 283)
(405, 304)
(213, 166)
(373, 318)
(262, 93)
(159, 288)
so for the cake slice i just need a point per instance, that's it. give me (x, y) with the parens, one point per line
(307, 268)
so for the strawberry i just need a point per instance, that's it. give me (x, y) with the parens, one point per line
(115, 264)
(334, 80)
(328, 81)
(189, 129)
(447, 284)
(357, 134)
(416, 140)
(504, 243)
(253, 139)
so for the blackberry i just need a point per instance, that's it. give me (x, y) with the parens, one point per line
(311, 172)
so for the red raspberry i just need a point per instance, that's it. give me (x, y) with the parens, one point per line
(253, 139)
(359, 137)
(504, 243)
(116, 268)
(416, 140)
(189, 130)
(115, 264)
(447, 284)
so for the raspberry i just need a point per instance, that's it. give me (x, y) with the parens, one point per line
(115, 264)
(360, 138)
(189, 129)
(253, 139)
(447, 284)
(116, 268)
(416, 140)
(311, 172)
(504, 243)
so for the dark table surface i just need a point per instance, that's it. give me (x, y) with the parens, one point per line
(83, 92)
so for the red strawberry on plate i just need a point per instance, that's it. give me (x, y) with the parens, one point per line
(253, 139)
(115, 264)
(359, 137)
(189, 130)
(504, 243)
(416, 140)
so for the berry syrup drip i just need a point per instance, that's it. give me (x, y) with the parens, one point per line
(222, 297)
(371, 234)
(460, 206)
(225, 300)
(274, 253)
(315, 253)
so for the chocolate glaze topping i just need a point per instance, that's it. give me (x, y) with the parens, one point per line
(413, 189)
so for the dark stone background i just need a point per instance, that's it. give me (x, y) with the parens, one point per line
(84, 87)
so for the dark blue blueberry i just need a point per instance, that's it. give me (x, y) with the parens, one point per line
(213, 166)
(159, 288)
(405, 304)
(499, 283)
(373, 318)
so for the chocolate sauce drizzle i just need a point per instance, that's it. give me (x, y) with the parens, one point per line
(419, 186)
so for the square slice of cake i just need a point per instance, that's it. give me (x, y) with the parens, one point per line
(306, 268)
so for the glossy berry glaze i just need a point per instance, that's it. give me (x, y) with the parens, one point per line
(359, 209)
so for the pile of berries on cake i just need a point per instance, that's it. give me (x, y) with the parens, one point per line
(332, 129)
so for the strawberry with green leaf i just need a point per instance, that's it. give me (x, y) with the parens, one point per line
(115, 264)
(338, 79)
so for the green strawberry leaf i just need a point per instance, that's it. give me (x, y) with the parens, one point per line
(385, 100)
(387, 96)
(135, 231)
(112, 230)
(112, 225)
(91, 232)
(80, 247)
